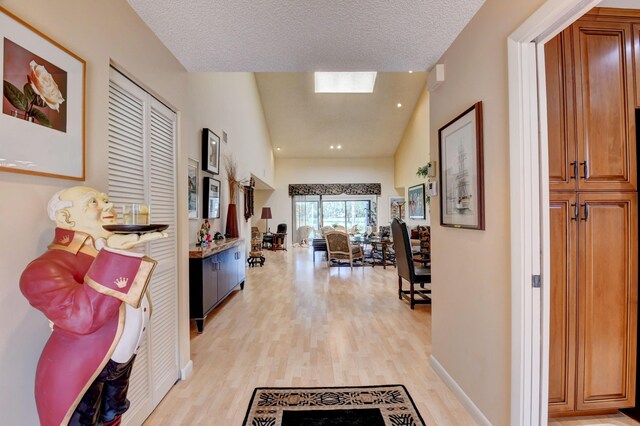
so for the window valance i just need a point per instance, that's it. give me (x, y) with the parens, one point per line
(335, 189)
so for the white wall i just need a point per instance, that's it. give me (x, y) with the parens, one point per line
(412, 153)
(471, 269)
(230, 102)
(328, 170)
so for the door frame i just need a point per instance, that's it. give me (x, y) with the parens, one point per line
(529, 201)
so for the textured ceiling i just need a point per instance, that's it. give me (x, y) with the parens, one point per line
(307, 35)
(304, 124)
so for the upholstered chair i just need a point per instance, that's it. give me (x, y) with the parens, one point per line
(339, 248)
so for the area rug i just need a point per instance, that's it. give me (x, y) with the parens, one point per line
(384, 405)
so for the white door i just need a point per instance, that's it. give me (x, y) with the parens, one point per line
(142, 169)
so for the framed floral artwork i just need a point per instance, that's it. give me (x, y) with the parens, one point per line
(461, 171)
(43, 103)
(210, 152)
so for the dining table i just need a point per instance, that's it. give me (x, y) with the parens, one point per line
(378, 244)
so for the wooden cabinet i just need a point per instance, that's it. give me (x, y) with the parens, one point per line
(563, 338)
(593, 312)
(213, 273)
(561, 112)
(636, 57)
(607, 300)
(591, 101)
(593, 87)
(605, 113)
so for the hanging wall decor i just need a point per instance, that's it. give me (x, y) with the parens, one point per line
(211, 198)
(43, 103)
(193, 188)
(461, 171)
(210, 152)
(248, 199)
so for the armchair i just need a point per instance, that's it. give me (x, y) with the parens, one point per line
(339, 248)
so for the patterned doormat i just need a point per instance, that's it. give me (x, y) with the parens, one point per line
(384, 405)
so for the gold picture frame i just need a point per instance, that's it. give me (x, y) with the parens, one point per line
(42, 115)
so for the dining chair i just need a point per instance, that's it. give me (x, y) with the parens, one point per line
(407, 269)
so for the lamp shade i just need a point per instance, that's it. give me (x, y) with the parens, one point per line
(266, 213)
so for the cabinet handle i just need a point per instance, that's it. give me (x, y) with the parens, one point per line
(574, 164)
(576, 211)
(586, 169)
(586, 212)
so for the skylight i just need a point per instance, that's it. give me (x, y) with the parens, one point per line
(345, 82)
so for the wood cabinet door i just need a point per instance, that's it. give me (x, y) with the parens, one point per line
(607, 300)
(636, 60)
(561, 112)
(563, 284)
(605, 101)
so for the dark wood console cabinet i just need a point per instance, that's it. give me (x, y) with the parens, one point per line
(213, 273)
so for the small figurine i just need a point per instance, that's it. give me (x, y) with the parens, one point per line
(204, 235)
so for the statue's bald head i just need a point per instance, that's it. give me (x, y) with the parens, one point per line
(82, 208)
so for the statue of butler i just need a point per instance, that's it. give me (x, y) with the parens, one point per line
(93, 291)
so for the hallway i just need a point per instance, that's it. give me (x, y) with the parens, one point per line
(300, 324)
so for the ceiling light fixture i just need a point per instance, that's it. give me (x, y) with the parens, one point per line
(345, 82)
(331, 147)
(399, 105)
(339, 147)
(278, 149)
(410, 72)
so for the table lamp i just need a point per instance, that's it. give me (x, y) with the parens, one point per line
(266, 214)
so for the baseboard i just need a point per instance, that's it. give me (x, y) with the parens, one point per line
(186, 371)
(468, 404)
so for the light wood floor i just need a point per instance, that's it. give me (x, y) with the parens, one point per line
(300, 324)
(614, 420)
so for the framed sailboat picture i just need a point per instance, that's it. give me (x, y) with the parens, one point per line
(461, 171)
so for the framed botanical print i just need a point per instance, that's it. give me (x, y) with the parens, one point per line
(43, 103)
(193, 188)
(461, 171)
(211, 198)
(210, 152)
(417, 208)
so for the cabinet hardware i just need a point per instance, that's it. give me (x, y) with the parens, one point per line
(574, 164)
(586, 212)
(576, 211)
(586, 169)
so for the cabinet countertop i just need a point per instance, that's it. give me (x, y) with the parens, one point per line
(198, 252)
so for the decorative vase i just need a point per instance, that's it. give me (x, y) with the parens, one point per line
(232, 222)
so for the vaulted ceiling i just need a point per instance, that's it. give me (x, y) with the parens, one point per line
(283, 41)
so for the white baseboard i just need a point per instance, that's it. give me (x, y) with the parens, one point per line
(186, 371)
(468, 404)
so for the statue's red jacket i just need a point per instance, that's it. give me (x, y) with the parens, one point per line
(81, 291)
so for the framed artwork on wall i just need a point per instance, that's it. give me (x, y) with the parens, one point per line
(193, 188)
(210, 152)
(461, 171)
(396, 208)
(211, 198)
(43, 103)
(417, 209)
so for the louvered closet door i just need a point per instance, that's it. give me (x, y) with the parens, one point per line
(142, 170)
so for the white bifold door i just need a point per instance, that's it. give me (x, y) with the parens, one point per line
(142, 169)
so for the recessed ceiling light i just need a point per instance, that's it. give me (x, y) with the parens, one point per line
(399, 105)
(410, 72)
(278, 149)
(339, 147)
(345, 82)
(331, 147)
